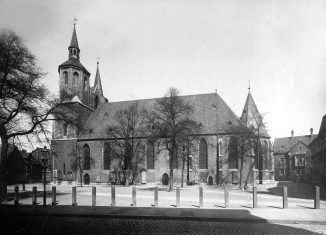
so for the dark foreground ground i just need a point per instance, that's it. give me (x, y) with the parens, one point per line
(73, 225)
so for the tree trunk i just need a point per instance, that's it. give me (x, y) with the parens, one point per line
(241, 171)
(172, 159)
(247, 178)
(3, 183)
(183, 165)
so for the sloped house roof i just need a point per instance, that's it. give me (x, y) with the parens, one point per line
(285, 144)
(210, 111)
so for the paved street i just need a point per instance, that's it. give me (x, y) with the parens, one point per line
(72, 225)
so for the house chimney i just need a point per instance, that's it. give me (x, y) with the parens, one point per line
(311, 132)
(292, 134)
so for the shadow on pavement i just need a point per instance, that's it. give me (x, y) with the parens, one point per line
(24, 220)
(296, 190)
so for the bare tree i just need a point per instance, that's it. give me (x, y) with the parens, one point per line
(127, 139)
(26, 105)
(171, 122)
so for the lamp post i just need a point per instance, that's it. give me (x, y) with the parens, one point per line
(214, 106)
(44, 159)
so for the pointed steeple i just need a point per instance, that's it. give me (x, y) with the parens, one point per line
(97, 83)
(74, 41)
(251, 116)
(74, 48)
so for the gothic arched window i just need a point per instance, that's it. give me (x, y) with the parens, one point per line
(203, 154)
(265, 154)
(96, 102)
(87, 157)
(65, 76)
(150, 155)
(233, 154)
(85, 83)
(75, 79)
(65, 127)
(106, 156)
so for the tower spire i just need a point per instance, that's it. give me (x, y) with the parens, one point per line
(97, 83)
(74, 48)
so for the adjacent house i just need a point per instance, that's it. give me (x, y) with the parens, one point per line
(318, 155)
(292, 157)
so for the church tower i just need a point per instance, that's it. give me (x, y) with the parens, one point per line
(73, 76)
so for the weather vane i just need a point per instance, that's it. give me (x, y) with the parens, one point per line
(75, 19)
(98, 58)
(249, 85)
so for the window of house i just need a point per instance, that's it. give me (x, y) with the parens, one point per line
(203, 154)
(106, 156)
(87, 157)
(299, 160)
(282, 172)
(65, 76)
(282, 162)
(150, 155)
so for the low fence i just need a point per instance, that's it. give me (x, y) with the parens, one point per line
(156, 198)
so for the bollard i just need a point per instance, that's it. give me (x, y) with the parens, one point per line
(54, 196)
(74, 196)
(93, 196)
(112, 196)
(34, 200)
(317, 198)
(133, 196)
(156, 197)
(226, 197)
(178, 197)
(16, 195)
(254, 197)
(200, 197)
(285, 197)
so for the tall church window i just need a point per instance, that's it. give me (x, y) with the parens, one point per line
(233, 153)
(203, 154)
(150, 155)
(65, 76)
(65, 128)
(265, 154)
(106, 156)
(75, 78)
(87, 157)
(85, 83)
(96, 102)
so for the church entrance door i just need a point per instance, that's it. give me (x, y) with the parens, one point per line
(165, 179)
(86, 179)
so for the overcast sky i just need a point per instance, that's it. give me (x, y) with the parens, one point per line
(147, 46)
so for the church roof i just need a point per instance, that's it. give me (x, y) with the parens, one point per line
(73, 63)
(251, 116)
(97, 83)
(74, 41)
(208, 108)
(285, 144)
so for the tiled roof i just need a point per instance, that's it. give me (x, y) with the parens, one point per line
(74, 63)
(283, 145)
(251, 116)
(207, 108)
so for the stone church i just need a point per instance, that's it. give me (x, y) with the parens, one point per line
(218, 125)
